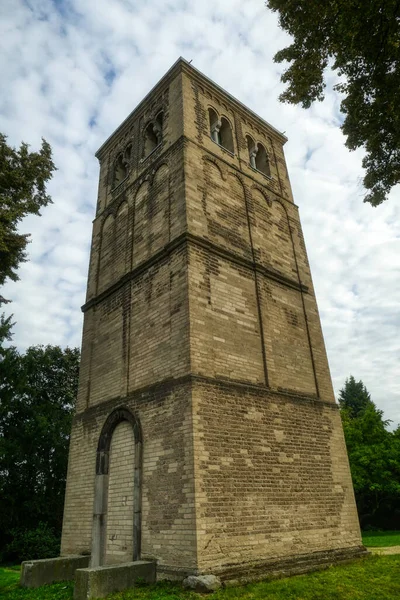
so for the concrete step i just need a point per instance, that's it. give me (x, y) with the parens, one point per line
(98, 582)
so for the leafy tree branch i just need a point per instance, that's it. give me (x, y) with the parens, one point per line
(361, 42)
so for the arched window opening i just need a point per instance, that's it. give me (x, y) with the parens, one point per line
(150, 139)
(120, 170)
(128, 152)
(101, 504)
(215, 125)
(220, 130)
(262, 162)
(157, 127)
(153, 135)
(252, 149)
(225, 134)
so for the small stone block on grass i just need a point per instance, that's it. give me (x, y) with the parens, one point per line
(205, 584)
(98, 582)
(35, 573)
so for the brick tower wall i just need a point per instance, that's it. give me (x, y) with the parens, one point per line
(272, 482)
(135, 348)
(201, 320)
(272, 476)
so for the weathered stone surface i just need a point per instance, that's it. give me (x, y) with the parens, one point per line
(98, 582)
(35, 573)
(202, 583)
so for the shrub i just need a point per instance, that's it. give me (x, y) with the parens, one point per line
(32, 544)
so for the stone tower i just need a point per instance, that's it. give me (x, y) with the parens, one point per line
(206, 433)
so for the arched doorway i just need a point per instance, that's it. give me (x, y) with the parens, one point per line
(116, 535)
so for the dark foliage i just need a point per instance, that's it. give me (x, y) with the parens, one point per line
(37, 397)
(374, 455)
(360, 41)
(30, 544)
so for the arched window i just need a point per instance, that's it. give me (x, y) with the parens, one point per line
(214, 125)
(128, 152)
(262, 162)
(158, 126)
(225, 134)
(252, 149)
(150, 140)
(120, 170)
(220, 130)
(153, 135)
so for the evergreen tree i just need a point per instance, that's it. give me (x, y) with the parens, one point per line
(374, 456)
(354, 397)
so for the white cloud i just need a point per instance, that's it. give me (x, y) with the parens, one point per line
(72, 71)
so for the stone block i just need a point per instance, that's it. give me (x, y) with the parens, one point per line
(205, 584)
(35, 573)
(98, 582)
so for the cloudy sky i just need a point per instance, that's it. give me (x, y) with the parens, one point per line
(72, 70)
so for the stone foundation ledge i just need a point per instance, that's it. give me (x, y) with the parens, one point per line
(98, 582)
(35, 573)
(275, 568)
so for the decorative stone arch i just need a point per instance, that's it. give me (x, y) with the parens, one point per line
(157, 169)
(101, 485)
(215, 163)
(120, 170)
(128, 152)
(226, 134)
(142, 189)
(121, 206)
(152, 134)
(252, 150)
(214, 124)
(106, 247)
(108, 220)
(221, 129)
(258, 156)
(262, 160)
(240, 179)
(263, 194)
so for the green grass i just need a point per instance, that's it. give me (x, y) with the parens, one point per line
(8, 577)
(373, 578)
(10, 590)
(381, 539)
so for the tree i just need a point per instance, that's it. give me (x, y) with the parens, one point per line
(360, 41)
(354, 397)
(37, 392)
(374, 456)
(23, 178)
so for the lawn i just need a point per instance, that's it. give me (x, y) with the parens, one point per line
(10, 590)
(372, 578)
(381, 539)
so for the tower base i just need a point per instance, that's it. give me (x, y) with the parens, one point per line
(288, 566)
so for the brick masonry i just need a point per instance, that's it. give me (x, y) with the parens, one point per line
(201, 320)
(119, 546)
